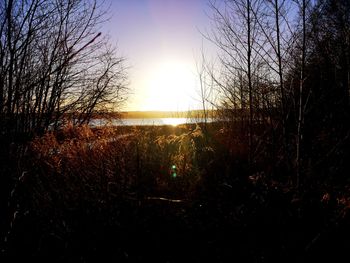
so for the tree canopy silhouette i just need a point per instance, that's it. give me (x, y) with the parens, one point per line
(54, 63)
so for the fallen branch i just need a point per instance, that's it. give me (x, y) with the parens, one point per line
(165, 199)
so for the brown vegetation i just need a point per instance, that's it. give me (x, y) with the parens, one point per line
(267, 182)
(109, 192)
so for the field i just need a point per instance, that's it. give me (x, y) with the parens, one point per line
(164, 194)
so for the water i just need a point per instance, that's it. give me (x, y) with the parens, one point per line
(148, 121)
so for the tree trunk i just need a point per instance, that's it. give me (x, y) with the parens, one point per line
(250, 84)
(301, 112)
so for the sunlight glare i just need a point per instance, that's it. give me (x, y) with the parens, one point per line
(174, 121)
(171, 87)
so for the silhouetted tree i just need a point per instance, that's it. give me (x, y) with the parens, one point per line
(286, 63)
(301, 89)
(54, 63)
(236, 36)
(324, 97)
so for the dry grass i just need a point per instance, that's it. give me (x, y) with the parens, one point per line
(82, 185)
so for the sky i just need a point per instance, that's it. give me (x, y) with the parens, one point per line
(162, 41)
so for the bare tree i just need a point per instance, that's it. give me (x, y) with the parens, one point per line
(53, 64)
(249, 76)
(236, 35)
(301, 93)
(278, 37)
(206, 94)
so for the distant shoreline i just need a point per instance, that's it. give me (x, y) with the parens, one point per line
(149, 121)
(164, 114)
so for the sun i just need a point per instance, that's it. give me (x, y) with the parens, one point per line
(170, 87)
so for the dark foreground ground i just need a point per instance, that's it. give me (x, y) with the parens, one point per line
(56, 216)
(227, 228)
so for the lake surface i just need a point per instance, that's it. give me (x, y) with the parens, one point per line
(148, 121)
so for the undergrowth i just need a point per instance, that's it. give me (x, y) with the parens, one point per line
(130, 193)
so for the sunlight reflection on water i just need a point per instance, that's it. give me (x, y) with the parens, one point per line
(174, 121)
(150, 121)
